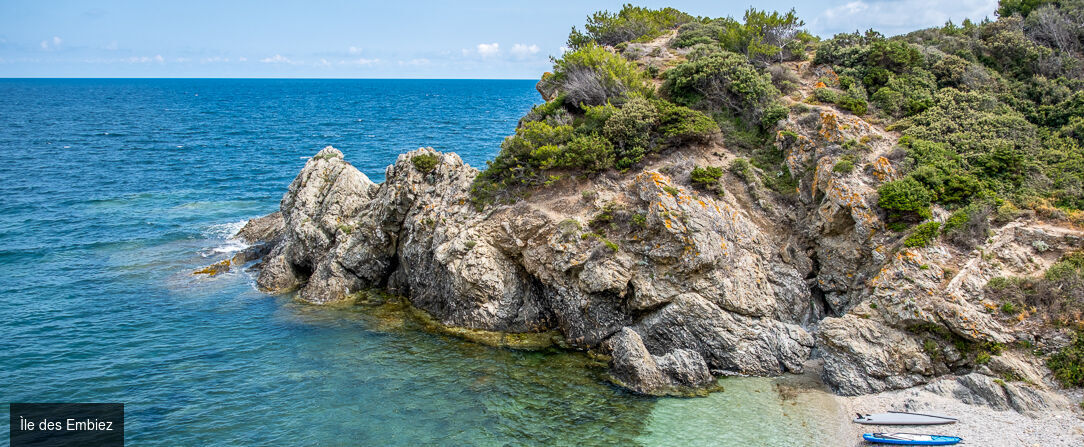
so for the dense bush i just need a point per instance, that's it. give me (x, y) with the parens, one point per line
(592, 75)
(631, 23)
(1007, 8)
(843, 166)
(724, 81)
(602, 137)
(967, 227)
(681, 125)
(629, 128)
(425, 162)
(1068, 363)
(762, 37)
(923, 235)
(853, 99)
(706, 177)
(907, 198)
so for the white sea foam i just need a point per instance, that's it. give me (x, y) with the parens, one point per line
(225, 232)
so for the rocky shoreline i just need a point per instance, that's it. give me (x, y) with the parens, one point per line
(673, 284)
(504, 271)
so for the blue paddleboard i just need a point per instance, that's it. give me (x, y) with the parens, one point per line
(910, 439)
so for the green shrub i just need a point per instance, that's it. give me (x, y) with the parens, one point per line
(592, 75)
(629, 129)
(843, 166)
(1008, 308)
(591, 153)
(826, 95)
(855, 105)
(706, 177)
(631, 23)
(604, 217)
(682, 125)
(741, 168)
(772, 115)
(930, 347)
(723, 81)
(889, 101)
(763, 37)
(1068, 363)
(893, 55)
(923, 235)
(906, 196)
(852, 100)
(425, 162)
(967, 226)
(1006, 8)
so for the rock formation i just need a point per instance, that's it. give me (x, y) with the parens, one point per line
(671, 283)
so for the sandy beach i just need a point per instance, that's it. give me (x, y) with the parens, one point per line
(978, 424)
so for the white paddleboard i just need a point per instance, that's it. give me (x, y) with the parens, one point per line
(901, 418)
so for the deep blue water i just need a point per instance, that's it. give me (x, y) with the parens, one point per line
(113, 191)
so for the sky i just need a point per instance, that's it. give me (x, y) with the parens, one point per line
(508, 39)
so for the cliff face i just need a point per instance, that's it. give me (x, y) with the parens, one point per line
(693, 285)
(685, 283)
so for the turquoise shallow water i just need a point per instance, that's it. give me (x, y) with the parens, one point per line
(113, 191)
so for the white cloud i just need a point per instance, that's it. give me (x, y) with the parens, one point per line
(145, 59)
(112, 46)
(563, 49)
(215, 59)
(361, 61)
(51, 44)
(181, 60)
(898, 16)
(419, 61)
(277, 59)
(521, 50)
(242, 59)
(489, 49)
(354, 50)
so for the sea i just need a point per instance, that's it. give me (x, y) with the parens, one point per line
(112, 191)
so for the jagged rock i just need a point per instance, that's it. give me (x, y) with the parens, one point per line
(277, 275)
(700, 283)
(728, 342)
(636, 368)
(315, 211)
(979, 389)
(262, 229)
(863, 356)
(523, 268)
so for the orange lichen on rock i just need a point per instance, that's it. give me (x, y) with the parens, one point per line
(882, 168)
(830, 129)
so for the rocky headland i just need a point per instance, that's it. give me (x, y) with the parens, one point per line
(674, 284)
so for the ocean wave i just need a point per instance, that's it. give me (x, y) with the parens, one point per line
(224, 232)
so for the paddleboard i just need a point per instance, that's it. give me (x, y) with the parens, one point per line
(910, 439)
(901, 418)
